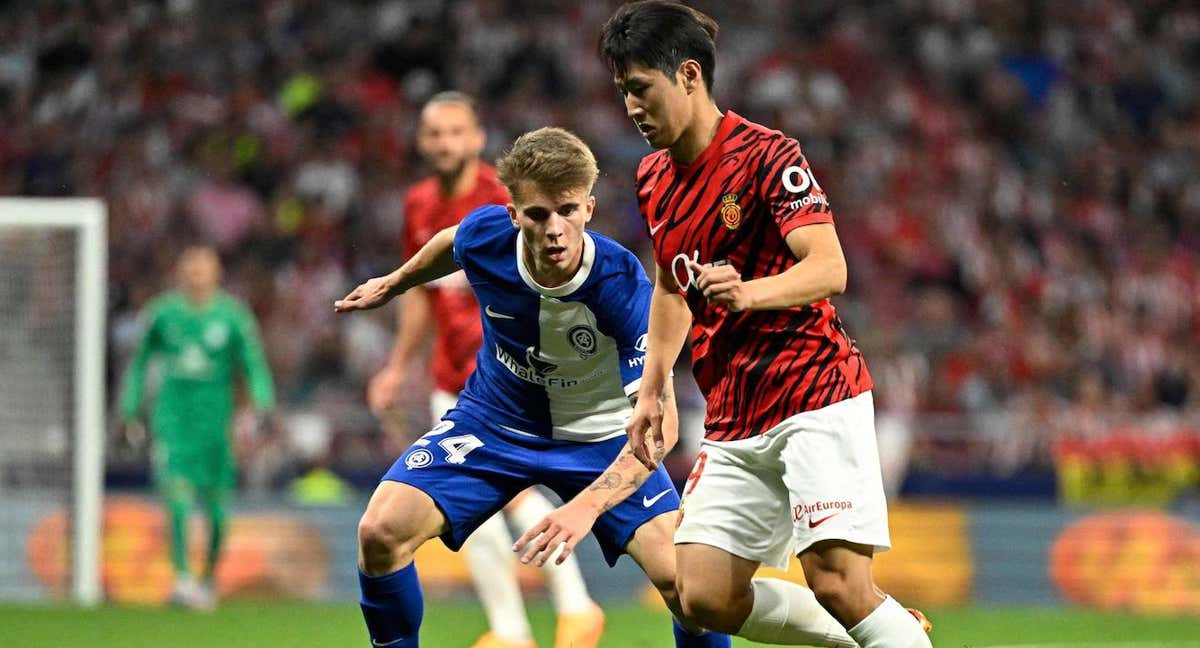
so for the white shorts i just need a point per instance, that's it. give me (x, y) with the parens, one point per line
(813, 477)
(440, 402)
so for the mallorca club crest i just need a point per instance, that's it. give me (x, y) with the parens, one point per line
(731, 211)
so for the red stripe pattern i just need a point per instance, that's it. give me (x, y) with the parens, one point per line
(735, 204)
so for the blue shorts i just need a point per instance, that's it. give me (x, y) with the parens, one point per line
(472, 468)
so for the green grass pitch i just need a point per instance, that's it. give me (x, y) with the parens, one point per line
(454, 625)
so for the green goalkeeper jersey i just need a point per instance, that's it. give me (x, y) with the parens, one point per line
(199, 348)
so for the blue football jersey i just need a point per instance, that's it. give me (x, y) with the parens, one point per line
(556, 362)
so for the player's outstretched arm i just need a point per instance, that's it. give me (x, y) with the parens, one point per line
(433, 261)
(820, 273)
(414, 323)
(670, 320)
(569, 523)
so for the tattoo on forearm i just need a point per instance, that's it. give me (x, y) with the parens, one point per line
(621, 486)
(607, 481)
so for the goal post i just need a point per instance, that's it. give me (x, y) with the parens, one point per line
(26, 221)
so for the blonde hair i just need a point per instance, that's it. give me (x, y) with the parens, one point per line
(555, 160)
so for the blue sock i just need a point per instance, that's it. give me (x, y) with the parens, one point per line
(392, 606)
(706, 639)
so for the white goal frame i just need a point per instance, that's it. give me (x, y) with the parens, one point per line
(89, 217)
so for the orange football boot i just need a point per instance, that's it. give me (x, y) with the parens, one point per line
(580, 630)
(926, 625)
(490, 640)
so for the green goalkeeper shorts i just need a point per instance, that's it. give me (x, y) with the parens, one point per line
(199, 467)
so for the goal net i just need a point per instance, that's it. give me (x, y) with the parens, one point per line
(52, 334)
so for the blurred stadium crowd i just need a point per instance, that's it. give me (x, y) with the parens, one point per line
(1017, 183)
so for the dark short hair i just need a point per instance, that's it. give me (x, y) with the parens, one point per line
(661, 35)
(453, 96)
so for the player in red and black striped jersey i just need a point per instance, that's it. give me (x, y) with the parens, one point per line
(747, 257)
(736, 205)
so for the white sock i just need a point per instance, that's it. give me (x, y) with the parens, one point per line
(890, 626)
(567, 589)
(493, 568)
(789, 614)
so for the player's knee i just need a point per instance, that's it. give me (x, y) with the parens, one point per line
(383, 545)
(709, 609)
(669, 593)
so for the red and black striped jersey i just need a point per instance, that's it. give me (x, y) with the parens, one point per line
(459, 333)
(735, 204)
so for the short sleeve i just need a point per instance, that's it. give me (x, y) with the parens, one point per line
(477, 229)
(790, 189)
(624, 315)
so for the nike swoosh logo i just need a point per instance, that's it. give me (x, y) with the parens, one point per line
(654, 230)
(812, 524)
(387, 643)
(647, 502)
(491, 313)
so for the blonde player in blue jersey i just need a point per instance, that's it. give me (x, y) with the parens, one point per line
(450, 138)
(564, 317)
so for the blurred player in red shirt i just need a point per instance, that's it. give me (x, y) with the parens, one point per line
(451, 140)
(747, 257)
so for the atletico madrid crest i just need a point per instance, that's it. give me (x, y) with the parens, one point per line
(731, 212)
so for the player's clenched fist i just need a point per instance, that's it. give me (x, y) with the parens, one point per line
(722, 285)
(372, 294)
(645, 428)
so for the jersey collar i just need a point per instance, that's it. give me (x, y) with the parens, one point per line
(728, 122)
(581, 275)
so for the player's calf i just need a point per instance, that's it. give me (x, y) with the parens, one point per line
(839, 574)
(719, 592)
(848, 597)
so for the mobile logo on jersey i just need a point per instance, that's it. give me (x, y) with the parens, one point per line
(731, 211)
(583, 339)
(681, 260)
(807, 181)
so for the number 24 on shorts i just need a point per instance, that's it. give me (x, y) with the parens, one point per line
(457, 447)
